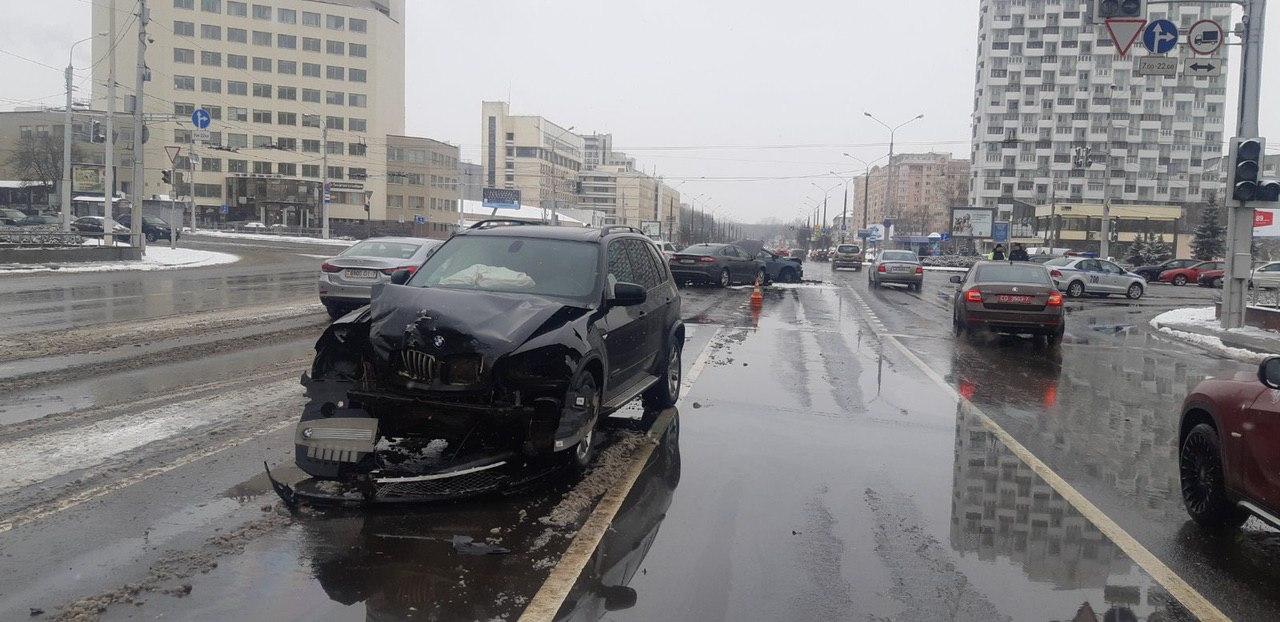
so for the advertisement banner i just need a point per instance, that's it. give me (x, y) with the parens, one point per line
(87, 179)
(652, 229)
(1266, 223)
(971, 223)
(500, 198)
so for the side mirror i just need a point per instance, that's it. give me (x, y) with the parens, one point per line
(957, 279)
(1269, 373)
(618, 597)
(400, 277)
(628, 295)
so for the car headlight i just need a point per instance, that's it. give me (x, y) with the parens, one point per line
(462, 370)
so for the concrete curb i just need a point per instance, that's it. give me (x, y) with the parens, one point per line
(1257, 346)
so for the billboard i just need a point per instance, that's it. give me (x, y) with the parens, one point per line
(87, 179)
(652, 229)
(971, 222)
(1266, 224)
(500, 198)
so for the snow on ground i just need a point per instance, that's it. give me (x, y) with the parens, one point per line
(944, 269)
(158, 257)
(1215, 345)
(1203, 318)
(271, 237)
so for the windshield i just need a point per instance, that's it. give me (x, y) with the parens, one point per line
(898, 256)
(559, 268)
(1012, 273)
(701, 249)
(847, 249)
(382, 248)
(152, 220)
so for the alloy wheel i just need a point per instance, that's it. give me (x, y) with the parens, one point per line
(673, 373)
(1200, 473)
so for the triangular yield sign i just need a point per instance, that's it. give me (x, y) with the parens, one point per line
(173, 153)
(1124, 32)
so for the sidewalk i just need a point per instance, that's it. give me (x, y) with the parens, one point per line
(158, 257)
(1199, 327)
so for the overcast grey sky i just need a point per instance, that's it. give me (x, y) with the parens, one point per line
(759, 97)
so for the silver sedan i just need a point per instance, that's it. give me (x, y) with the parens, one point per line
(346, 280)
(893, 266)
(1083, 276)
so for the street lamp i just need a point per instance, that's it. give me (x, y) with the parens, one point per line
(866, 187)
(66, 138)
(888, 191)
(555, 181)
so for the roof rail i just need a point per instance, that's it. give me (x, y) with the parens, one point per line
(607, 229)
(497, 222)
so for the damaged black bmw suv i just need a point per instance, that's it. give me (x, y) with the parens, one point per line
(506, 348)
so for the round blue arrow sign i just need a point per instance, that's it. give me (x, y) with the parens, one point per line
(1160, 37)
(200, 118)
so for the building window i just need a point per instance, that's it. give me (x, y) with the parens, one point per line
(237, 35)
(261, 38)
(333, 147)
(261, 11)
(311, 70)
(311, 96)
(310, 19)
(333, 123)
(183, 110)
(311, 170)
(287, 67)
(211, 6)
(357, 149)
(236, 113)
(184, 83)
(261, 64)
(182, 137)
(262, 116)
(417, 204)
(237, 88)
(261, 90)
(286, 118)
(211, 59)
(208, 190)
(284, 168)
(334, 172)
(333, 22)
(184, 29)
(237, 61)
(237, 166)
(237, 9)
(358, 50)
(357, 100)
(335, 47)
(286, 16)
(287, 92)
(395, 201)
(287, 144)
(288, 42)
(189, 5)
(357, 125)
(310, 145)
(262, 168)
(237, 141)
(260, 142)
(211, 165)
(215, 112)
(357, 25)
(335, 73)
(357, 173)
(210, 85)
(334, 97)
(357, 75)
(185, 56)
(310, 45)
(310, 120)
(209, 31)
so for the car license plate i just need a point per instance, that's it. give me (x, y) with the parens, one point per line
(1013, 300)
(902, 268)
(687, 261)
(362, 275)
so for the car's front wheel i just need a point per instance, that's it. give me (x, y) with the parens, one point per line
(725, 279)
(666, 391)
(1135, 292)
(1204, 491)
(1180, 280)
(1217, 283)
(583, 403)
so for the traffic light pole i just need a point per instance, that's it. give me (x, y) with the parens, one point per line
(1240, 214)
(139, 169)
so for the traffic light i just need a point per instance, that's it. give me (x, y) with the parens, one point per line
(167, 176)
(1114, 230)
(1246, 167)
(99, 135)
(1108, 9)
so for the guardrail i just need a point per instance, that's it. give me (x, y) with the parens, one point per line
(20, 238)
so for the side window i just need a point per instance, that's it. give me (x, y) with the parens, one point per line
(661, 260)
(642, 264)
(1090, 265)
(619, 265)
(1111, 268)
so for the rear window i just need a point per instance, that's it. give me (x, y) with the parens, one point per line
(847, 249)
(899, 256)
(1013, 273)
(1060, 261)
(702, 249)
(379, 248)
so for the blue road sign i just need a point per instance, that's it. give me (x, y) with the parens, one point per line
(500, 198)
(225, 209)
(419, 219)
(1160, 37)
(946, 237)
(200, 119)
(1000, 231)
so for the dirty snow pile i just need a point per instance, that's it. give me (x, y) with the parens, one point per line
(1203, 317)
(157, 258)
(271, 237)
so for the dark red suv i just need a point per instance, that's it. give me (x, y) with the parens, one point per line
(1230, 448)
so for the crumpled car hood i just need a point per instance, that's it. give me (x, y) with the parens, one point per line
(491, 324)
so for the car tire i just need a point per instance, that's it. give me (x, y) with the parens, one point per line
(666, 391)
(957, 327)
(1134, 292)
(151, 238)
(762, 277)
(580, 456)
(1180, 280)
(725, 279)
(1204, 492)
(1054, 338)
(1075, 289)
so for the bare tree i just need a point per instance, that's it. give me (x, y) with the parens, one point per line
(37, 158)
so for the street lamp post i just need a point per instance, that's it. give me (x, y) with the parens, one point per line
(66, 141)
(826, 194)
(888, 191)
(555, 181)
(866, 188)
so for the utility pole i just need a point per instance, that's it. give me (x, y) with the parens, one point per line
(844, 214)
(135, 218)
(1240, 214)
(324, 178)
(65, 191)
(108, 224)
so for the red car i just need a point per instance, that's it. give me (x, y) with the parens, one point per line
(1230, 449)
(1182, 276)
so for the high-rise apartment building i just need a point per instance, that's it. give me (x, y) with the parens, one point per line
(916, 189)
(287, 82)
(1051, 88)
(422, 184)
(531, 154)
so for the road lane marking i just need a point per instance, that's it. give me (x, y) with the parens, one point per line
(1196, 603)
(551, 596)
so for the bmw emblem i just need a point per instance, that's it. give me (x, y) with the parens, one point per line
(438, 341)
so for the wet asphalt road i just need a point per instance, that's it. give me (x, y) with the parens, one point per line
(812, 472)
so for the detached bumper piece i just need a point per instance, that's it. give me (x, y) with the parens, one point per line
(498, 473)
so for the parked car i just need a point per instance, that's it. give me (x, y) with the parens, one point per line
(847, 256)
(819, 255)
(347, 280)
(668, 249)
(1152, 273)
(1266, 276)
(11, 217)
(1085, 276)
(891, 266)
(1190, 274)
(1228, 439)
(40, 221)
(253, 225)
(777, 269)
(718, 264)
(1010, 298)
(797, 254)
(153, 228)
(509, 346)
(1211, 278)
(91, 227)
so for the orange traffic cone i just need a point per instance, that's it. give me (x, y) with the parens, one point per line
(757, 297)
